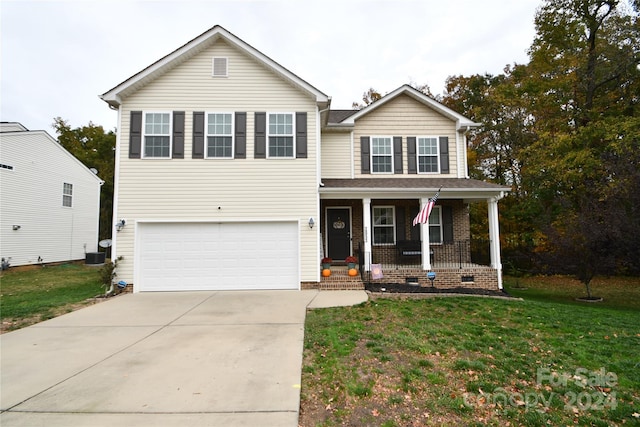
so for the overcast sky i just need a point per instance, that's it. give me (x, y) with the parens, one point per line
(58, 56)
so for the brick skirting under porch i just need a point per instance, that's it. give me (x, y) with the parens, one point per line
(446, 278)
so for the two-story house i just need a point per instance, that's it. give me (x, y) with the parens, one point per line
(49, 200)
(234, 173)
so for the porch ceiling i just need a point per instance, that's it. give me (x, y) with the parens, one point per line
(395, 188)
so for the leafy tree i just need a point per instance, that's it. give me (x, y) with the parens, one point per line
(95, 148)
(368, 97)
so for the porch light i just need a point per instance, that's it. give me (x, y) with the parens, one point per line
(311, 222)
(120, 225)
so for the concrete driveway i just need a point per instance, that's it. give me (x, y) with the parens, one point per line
(163, 359)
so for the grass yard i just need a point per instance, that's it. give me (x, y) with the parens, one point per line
(618, 292)
(30, 295)
(473, 361)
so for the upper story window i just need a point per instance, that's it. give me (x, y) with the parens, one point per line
(67, 195)
(157, 135)
(427, 149)
(280, 135)
(220, 135)
(381, 155)
(384, 225)
(435, 225)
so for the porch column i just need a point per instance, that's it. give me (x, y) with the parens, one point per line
(426, 256)
(494, 238)
(366, 232)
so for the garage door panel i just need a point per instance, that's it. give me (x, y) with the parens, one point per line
(223, 256)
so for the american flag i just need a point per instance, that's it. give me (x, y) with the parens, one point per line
(423, 215)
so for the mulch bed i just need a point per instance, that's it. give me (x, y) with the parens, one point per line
(404, 288)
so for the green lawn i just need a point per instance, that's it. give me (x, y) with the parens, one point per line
(473, 361)
(617, 292)
(32, 294)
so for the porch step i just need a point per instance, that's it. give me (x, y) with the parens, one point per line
(340, 280)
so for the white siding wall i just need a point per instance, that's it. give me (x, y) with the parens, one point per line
(337, 155)
(404, 117)
(213, 189)
(31, 197)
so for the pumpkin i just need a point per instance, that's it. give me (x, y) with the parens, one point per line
(353, 272)
(326, 272)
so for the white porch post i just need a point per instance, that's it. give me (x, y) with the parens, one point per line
(494, 237)
(426, 256)
(366, 232)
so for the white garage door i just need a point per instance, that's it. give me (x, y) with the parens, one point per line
(227, 256)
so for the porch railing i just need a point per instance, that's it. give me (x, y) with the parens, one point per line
(458, 254)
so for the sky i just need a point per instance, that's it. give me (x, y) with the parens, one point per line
(57, 57)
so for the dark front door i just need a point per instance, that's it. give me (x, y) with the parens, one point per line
(338, 234)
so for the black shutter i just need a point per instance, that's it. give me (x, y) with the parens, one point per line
(241, 136)
(411, 155)
(198, 135)
(444, 154)
(301, 135)
(447, 224)
(364, 154)
(415, 229)
(397, 154)
(400, 223)
(260, 143)
(135, 135)
(178, 135)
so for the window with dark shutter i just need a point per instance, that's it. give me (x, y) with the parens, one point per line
(241, 136)
(364, 154)
(198, 135)
(447, 224)
(178, 135)
(260, 137)
(444, 154)
(135, 135)
(301, 135)
(397, 155)
(412, 164)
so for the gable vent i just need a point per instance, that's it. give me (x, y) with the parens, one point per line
(220, 67)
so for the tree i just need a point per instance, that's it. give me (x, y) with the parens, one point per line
(368, 97)
(95, 148)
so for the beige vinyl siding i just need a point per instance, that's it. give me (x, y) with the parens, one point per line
(337, 155)
(219, 189)
(404, 116)
(31, 197)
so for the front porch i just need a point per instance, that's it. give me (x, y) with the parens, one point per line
(463, 264)
(372, 219)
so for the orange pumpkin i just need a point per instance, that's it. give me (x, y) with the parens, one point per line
(353, 272)
(326, 272)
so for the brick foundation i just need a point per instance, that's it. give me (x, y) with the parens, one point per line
(483, 277)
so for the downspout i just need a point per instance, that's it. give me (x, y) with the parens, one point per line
(319, 249)
(116, 181)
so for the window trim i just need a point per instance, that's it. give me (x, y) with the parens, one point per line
(374, 225)
(207, 135)
(269, 135)
(67, 196)
(144, 135)
(418, 155)
(371, 155)
(436, 210)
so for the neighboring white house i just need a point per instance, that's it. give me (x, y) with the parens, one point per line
(233, 173)
(49, 201)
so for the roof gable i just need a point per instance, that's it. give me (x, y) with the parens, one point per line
(114, 96)
(461, 121)
(43, 137)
